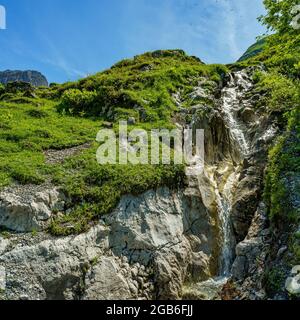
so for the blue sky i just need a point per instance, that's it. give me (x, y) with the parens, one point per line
(68, 39)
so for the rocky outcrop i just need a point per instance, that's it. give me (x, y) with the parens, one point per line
(292, 284)
(246, 199)
(3, 244)
(144, 249)
(2, 279)
(249, 266)
(33, 77)
(28, 208)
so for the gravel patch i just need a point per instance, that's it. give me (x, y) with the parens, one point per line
(59, 156)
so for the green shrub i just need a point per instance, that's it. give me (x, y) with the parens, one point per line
(36, 113)
(282, 93)
(284, 164)
(77, 102)
(2, 89)
(19, 86)
(7, 96)
(274, 279)
(125, 114)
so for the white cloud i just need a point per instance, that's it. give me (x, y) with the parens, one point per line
(215, 30)
(55, 58)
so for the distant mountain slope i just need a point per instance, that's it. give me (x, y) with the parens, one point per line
(253, 50)
(33, 77)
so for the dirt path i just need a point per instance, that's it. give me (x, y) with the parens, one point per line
(59, 156)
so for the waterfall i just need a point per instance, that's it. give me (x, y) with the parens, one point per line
(224, 207)
(232, 101)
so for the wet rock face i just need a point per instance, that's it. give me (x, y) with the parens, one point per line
(33, 77)
(245, 203)
(218, 142)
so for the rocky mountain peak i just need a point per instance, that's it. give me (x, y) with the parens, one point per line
(33, 77)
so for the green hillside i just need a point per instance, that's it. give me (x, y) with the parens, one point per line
(254, 50)
(34, 122)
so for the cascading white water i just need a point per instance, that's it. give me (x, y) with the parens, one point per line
(232, 102)
(224, 205)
